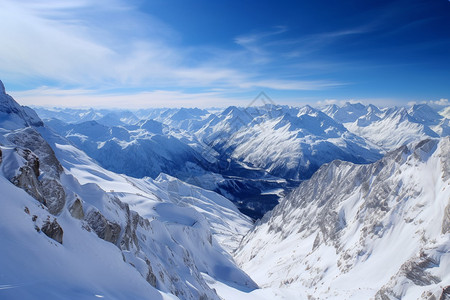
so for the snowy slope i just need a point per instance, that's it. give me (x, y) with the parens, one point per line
(145, 149)
(178, 237)
(227, 224)
(144, 244)
(149, 148)
(34, 266)
(252, 156)
(393, 127)
(361, 231)
(293, 143)
(396, 128)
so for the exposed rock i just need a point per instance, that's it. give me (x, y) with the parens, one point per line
(76, 209)
(54, 195)
(53, 230)
(42, 159)
(31, 139)
(151, 277)
(27, 180)
(445, 159)
(414, 270)
(445, 293)
(446, 221)
(14, 115)
(129, 238)
(105, 229)
(1, 156)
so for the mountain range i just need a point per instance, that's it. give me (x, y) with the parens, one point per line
(270, 202)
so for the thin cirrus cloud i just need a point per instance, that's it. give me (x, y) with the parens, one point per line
(49, 97)
(80, 43)
(100, 45)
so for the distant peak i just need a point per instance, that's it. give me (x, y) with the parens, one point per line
(2, 88)
(306, 110)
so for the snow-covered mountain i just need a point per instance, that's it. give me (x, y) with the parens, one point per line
(12, 115)
(141, 150)
(75, 225)
(361, 231)
(73, 229)
(392, 127)
(149, 148)
(293, 143)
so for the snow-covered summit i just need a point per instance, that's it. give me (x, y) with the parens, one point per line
(12, 115)
(2, 88)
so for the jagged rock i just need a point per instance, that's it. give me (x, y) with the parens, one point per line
(27, 175)
(30, 139)
(151, 277)
(1, 156)
(14, 115)
(445, 293)
(27, 180)
(106, 230)
(42, 158)
(129, 238)
(446, 221)
(54, 194)
(53, 230)
(76, 209)
(414, 270)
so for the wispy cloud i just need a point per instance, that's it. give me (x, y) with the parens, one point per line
(434, 103)
(102, 45)
(49, 97)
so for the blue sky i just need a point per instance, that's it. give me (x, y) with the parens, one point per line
(203, 53)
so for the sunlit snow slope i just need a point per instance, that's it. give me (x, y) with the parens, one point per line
(361, 231)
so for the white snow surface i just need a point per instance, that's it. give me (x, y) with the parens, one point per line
(109, 251)
(360, 231)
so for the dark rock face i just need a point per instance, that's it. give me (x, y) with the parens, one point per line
(129, 239)
(53, 230)
(42, 159)
(414, 270)
(27, 177)
(54, 195)
(151, 277)
(445, 293)
(446, 221)
(76, 209)
(105, 229)
(11, 110)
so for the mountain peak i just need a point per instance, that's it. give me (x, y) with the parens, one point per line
(14, 116)
(2, 88)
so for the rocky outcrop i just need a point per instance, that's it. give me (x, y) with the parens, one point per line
(46, 167)
(129, 239)
(105, 229)
(414, 271)
(151, 277)
(14, 115)
(54, 195)
(53, 230)
(445, 293)
(76, 209)
(27, 175)
(446, 221)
